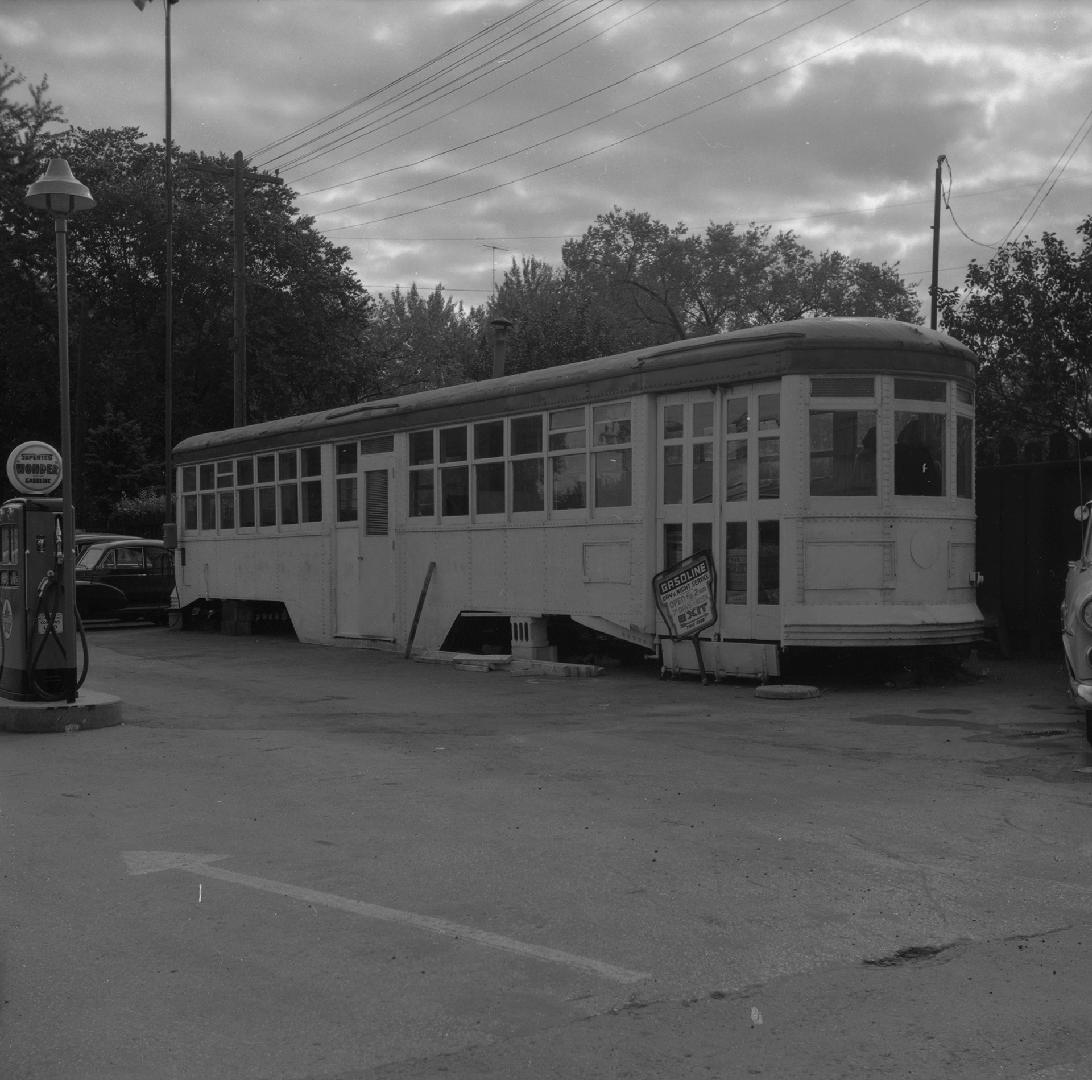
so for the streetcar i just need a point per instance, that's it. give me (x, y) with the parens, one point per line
(825, 466)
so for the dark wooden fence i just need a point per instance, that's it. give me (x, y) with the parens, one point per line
(1026, 536)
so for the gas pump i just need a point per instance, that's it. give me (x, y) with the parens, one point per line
(37, 633)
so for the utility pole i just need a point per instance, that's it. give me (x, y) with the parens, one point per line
(936, 248)
(238, 174)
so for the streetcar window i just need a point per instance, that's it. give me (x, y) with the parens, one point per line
(345, 483)
(421, 493)
(736, 415)
(613, 478)
(673, 474)
(735, 471)
(769, 411)
(208, 510)
(769, 562)
(769, 467)
(735, 562)
(489, 487)
(311, 493)
(964, 457)
(528, 473)
(206, 473)
(455, 490)
(701, 536)
(737, 422)
(189, 478)
(189, 512)
(290, 504)
(568, 472)
(567, 430)
(246, 508)
(287, 465)
(528, 485)
(227, 509)
(311, 489)
(244, 477)
(420, 448)
(569, 481)
(703, 419)
(701, 475)
(453, 444)
(489, 439)
(526, 435)
(672, 544)
(769, 446)
(267, 506)
(674, 417)
(964, 395)
(489, 475)
(921, 390)
(267, 469)
(843, 452)
(919, 453)
(225, 474)
(612, 469)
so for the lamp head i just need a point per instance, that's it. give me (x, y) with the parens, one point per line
(58, 191)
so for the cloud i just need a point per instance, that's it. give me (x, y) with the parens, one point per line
(735, 119)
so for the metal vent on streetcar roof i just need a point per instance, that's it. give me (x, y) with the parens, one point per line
(367, 406)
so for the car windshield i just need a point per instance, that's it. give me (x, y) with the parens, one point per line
(90, 557)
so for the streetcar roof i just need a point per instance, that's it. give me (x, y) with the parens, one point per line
(749, 355)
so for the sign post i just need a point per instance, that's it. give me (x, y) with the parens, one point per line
(686, 596)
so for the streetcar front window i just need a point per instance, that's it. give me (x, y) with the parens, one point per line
(919, 453)
(843, 451)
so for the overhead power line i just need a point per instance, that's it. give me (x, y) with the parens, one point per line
(416, 87)
(425, 100)
(618, 142)
(574, 101)
(1056, 171)
(474, 101)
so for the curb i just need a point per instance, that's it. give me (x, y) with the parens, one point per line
(91, 709)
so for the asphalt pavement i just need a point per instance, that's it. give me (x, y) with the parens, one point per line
(310, 863)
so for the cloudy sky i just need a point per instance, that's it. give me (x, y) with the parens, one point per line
(440, 139)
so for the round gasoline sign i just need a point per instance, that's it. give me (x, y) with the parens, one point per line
(34, 468)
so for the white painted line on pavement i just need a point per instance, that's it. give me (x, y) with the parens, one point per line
(150, 862)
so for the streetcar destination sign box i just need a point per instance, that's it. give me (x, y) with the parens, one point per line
(686, 595)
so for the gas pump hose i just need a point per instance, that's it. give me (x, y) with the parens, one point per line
(50, 585)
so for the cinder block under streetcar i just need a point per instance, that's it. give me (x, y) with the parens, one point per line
(826, 464)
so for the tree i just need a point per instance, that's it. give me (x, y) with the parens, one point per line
(1028, 315)
(308, 313)
(662, 281)
(554, 321)
(420, 342)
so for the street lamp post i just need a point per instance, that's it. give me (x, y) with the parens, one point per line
(59, 193)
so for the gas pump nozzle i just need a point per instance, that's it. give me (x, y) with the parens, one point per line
(45, 583)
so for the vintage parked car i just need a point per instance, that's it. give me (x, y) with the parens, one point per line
(125, 579)
(1077, 622)
(85, 539)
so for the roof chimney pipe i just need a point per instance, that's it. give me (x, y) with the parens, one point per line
(501, 327)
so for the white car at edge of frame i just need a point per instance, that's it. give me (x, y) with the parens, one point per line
(1077, 622)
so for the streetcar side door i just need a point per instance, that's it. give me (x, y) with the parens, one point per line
(364, 568)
